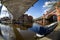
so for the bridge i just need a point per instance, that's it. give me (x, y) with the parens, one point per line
(18, 7)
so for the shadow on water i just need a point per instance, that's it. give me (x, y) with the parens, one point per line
(23, 33)
(55, 35)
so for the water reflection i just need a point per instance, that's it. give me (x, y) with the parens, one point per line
(43, 30)
(15, 31)
(7, 31)
(35, 27)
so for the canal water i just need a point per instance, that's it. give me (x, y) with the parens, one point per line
(11, 31)
(18, 32)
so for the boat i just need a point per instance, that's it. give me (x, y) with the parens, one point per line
(46, 30)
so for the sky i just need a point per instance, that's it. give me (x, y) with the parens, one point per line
(4, 12)
(38, 9)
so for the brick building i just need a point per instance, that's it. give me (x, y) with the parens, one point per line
(51, 15)
(55, 12)
(57, 8)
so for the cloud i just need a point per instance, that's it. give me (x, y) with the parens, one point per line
(49, 4)
(46, 10)
(46, 4)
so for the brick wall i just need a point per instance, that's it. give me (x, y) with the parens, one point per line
(58, 11)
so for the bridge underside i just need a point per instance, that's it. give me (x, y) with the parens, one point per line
(18, 7)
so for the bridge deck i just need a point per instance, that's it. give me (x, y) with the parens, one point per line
(18, 7)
